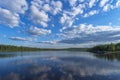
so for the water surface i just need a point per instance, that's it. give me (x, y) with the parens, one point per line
(58, 65)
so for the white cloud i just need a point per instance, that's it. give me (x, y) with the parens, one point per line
(72, 2)
(20, 39)
(56, 7)
(17, 6)
(40, 9)
(103, 3)
(88, 29)
(8, 18)
(68, 17)
(89, 33)
(117, 4)
(81, 0)
(82, 9)
(48, 42)
(116, 35)
(66, 20)
(91, 13)
(91, 3)
(44, 24)
(38, 31)
(46, 7)
(10, 12)
(44, 12)
(106, 7)
(77, 10)
(39, 17)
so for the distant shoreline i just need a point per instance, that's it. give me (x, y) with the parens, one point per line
(11, 48)
(99, 49)
(106, 48)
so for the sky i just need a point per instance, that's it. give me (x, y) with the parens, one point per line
(59, 23)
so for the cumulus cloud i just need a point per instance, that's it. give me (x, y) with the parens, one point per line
(38, 16)
(47, 42)
(8, 18)
(40, 9)
(93, 12)
(68, 17)
(20, 39)
(106, 7)
(83, 10)
(91, 3)
(89, 33)
(72, 2)
(66, 20)
(117, 4)
(11, 10)
(46, 7)
(43, 13)
(76, 10)
(103, 2)
(38, 31)
(57, 6)
(17, 6)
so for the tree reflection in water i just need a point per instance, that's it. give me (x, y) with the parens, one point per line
(86, 67)
(111, 56)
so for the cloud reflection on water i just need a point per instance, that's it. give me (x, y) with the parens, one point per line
(66, 68)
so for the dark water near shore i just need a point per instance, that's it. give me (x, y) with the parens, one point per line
(58, 65)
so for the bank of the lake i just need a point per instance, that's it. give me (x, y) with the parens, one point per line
(106, 48)
(12, 48)
(99, 49)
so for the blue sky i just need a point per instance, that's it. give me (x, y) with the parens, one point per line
(59, 23)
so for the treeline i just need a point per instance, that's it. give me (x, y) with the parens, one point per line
(96, 49)
(105, 48)
(76, 49)
(10, 48)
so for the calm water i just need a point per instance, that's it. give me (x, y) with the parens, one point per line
(58, 65)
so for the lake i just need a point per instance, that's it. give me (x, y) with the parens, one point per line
(58, 65)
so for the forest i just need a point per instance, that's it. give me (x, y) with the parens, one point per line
(11, 48)
(96, 49)
(105, 48)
